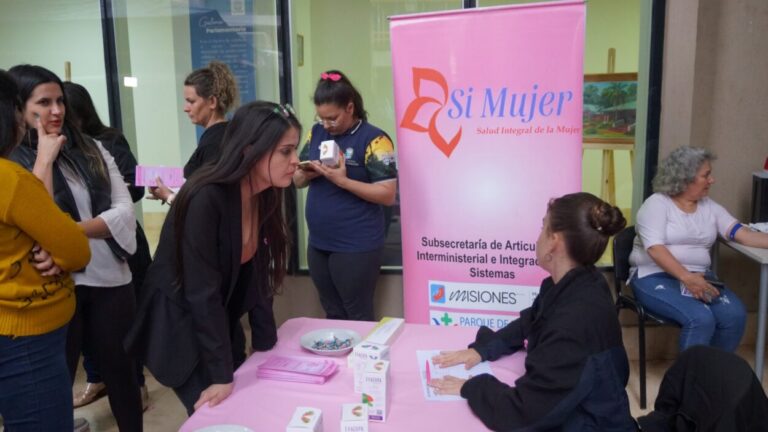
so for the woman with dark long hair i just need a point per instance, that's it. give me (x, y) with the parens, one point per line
(344, 203)
(86, 183)
(83, 114)
(576, 367)
(36, 291)
(222, 253)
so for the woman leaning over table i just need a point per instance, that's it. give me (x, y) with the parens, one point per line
(222, 253)
(576, 367)
(87, 184)
(209, 94)
(676, 227)
(39, 245)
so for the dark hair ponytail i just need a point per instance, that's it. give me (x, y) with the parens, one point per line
(586, 222)
(335, 88)
(83, 112)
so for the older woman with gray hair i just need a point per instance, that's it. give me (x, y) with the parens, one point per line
(676, 227)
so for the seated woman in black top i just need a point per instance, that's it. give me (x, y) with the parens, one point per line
(222, 253)
(576, 367)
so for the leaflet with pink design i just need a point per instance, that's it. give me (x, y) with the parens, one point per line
(171, 176)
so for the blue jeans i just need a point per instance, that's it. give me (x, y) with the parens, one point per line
(719, 324)
(35, 390)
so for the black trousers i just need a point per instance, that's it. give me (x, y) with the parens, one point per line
(345, 282)
(138, 263)
(103, 316)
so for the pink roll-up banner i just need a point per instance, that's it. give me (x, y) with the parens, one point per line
(488, 108)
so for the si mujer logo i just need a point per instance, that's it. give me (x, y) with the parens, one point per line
(409, 119)
(510, 104)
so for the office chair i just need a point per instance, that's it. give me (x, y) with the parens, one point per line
(622, 247)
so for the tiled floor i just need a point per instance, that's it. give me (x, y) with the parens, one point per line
(167, 414)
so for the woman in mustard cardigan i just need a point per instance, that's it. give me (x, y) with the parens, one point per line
(39, 245)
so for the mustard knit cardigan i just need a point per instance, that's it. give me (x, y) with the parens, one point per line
(31, 304)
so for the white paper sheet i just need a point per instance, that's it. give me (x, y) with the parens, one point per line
(458, 371)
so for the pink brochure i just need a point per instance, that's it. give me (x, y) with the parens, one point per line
(299, 365)
(171, 176)
(291, 377)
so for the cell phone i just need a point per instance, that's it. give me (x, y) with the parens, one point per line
(305, 164)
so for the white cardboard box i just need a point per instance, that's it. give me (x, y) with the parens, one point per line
(329, 153)
(362, 353)
(386, 331)
(306, 419)
(375, 389)
(354, 417)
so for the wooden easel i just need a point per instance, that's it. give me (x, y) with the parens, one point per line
(608, 177)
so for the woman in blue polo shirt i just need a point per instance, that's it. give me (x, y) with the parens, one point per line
(344, 204)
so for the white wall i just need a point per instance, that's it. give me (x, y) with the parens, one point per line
(49, 33)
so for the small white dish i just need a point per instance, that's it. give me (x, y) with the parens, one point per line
(225, 428)
(330, 342)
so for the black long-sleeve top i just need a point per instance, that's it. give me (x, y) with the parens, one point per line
(576, 366)
(208, 149)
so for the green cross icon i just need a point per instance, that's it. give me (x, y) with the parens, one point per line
(446, 319)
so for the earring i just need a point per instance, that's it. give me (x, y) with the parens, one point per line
(548, 257)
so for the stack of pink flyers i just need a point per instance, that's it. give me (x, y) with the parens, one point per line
(297, 369)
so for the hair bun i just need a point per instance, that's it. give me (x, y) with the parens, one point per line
(607, 219)
(224, 85)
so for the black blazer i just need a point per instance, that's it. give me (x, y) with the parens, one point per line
(178, 328)
(576, 369)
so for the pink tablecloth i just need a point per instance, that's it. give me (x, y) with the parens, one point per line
(265, 405)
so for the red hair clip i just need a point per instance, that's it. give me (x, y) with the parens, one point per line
(330, 76)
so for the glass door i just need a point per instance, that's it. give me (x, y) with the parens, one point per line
(351, 36)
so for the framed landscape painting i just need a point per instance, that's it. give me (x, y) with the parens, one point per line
(610, 108)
